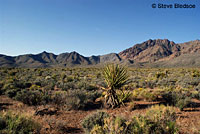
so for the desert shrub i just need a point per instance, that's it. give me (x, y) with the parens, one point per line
(197, 88)
(57, 124)
(86, 86)
(195, 94)
(180, 99)
(188, 82)
(166, 82)
(150, 84)
(124, 96)
(49, 86)
(27, 85)
(94, 119)
(136, 94)
(146, 84)
(75, 99)
(8, 85)
(141, 83)
(163, 118)
(74, 102)
(195, 73)
(90, 87)
(34, 87)
(144, 94)
(158, 120)
(59, 97)
(149, 96)
(68, 86)
(32, 97)
(160, 75)
(11, 92)
(80, 99)
(12, 73)
(98, 75)
(112, 125)
(38, 83)
(194, 81)
(12, 86)
(12, 83)
(63, 76)
(48, 83)
(17, 124)
(70, 78)
(22, 84)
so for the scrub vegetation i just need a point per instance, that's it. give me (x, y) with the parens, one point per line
(99, 100)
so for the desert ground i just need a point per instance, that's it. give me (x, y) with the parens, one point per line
(61, 100)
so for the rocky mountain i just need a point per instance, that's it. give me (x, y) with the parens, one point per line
(6, 61)
(190, 47)
(112, 57)
(73, 58)
(164, 53)
(46, 59)
(151, 53)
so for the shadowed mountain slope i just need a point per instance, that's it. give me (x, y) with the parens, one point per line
(151, 53)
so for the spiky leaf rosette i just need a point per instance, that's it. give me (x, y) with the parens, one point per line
(115, 76)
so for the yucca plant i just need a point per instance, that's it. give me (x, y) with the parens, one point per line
(115, 76)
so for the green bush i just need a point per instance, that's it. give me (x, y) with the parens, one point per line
(163, 118)
(17, 124)
(145, 94)
(124, 96)
(75, 99)
(160, 75)
(59, 98)
(166, 82)
(86, 86)
(112, 125)
(11, 92)
(32, 97)
(180, 99)
(70, 78)
(69, 86)
(80, 99)
(158, 120)
(94, 119)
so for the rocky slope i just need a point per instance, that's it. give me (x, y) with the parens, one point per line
(45, 59)
(151, 53)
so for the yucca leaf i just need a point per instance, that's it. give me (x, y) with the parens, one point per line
(115, 76)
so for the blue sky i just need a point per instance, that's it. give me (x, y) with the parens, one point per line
(91, 27)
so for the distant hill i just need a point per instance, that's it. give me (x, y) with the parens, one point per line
(164, 53)
(46, 59)
(151, 53)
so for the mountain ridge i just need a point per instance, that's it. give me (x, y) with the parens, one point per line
(150, 53)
